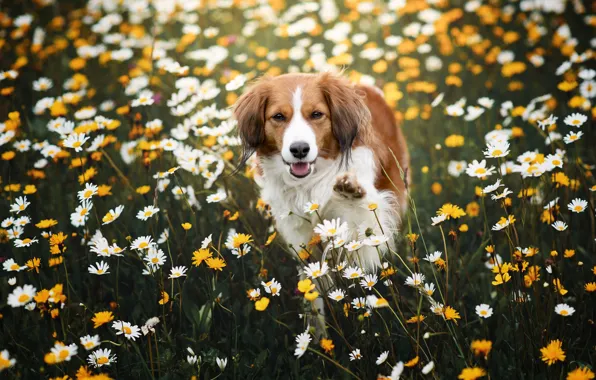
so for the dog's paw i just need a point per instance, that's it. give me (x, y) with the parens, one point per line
(347, 186)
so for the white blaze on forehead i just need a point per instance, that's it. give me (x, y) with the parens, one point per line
(299, 131)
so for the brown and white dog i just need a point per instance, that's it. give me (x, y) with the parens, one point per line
(318, 138)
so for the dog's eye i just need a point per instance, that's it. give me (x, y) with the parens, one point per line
(279, 117)
(316, 115)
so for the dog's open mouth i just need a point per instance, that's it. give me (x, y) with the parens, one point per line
(300, 169)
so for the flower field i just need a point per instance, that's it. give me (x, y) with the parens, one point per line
(133, 247)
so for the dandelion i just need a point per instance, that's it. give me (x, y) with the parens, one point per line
(451, 211)
(481, 347)
(200, 255)
(101, 318)
(327, 345)
(471, 373)
(564, 310)
(450, 314)
(215, 263)
(553, 352)
(581, 373)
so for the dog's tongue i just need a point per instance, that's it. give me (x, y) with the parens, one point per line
(300, 169)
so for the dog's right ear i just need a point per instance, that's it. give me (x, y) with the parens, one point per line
(249, 111)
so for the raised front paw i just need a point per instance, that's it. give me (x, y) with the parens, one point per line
(347, 186)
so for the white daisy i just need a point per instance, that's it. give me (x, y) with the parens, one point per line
(564, 310)
(101, 268)
(177, 272)
(577, 205)
(484, 311)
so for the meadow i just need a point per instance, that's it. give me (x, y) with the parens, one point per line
(133, 247)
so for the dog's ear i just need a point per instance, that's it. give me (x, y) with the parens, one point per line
(349, 114)
(249, 111)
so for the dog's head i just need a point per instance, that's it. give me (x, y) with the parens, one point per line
(301, 117)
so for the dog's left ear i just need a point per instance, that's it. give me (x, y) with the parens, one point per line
(349, 114)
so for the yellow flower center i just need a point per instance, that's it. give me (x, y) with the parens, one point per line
(316, 273)
(483, 312)
(76, 144)
(332, 231)
(87, 194)
(143, 245)
(497, 152)
(102, 360)
(126, 330)
(24, 298)
(155, 260)
(14, 266)
(64, 354)
(480, 171)
(26, 241)
(564, 312)
(83, 212)
(578, 208)
(88, 344)
(556, 162)
(575, 122)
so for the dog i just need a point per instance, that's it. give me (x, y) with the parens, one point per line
(319, 138)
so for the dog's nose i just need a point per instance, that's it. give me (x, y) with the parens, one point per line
(299, 149)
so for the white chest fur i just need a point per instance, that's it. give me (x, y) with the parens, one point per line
(288, 195)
